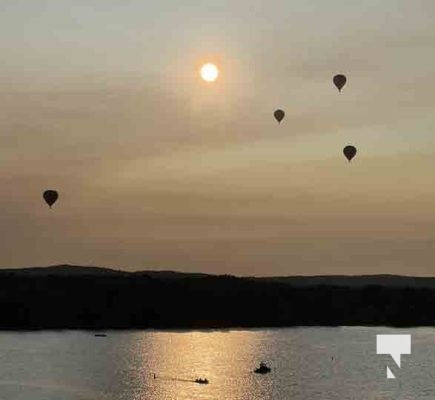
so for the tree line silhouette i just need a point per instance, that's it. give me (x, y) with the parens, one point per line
(71, 298)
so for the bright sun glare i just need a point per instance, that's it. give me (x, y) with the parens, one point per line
(209, 72)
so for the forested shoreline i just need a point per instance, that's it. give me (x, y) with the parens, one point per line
(119, 300)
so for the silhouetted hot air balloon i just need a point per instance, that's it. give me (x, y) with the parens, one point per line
(279, 115)
(349, 152)
(339, 81)
(50, 197)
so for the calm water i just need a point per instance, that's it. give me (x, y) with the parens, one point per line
(308, 363)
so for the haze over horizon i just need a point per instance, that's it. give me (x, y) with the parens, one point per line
(159, 170)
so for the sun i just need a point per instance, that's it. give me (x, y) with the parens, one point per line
(209, 72)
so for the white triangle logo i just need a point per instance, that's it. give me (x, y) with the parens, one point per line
(390, 374)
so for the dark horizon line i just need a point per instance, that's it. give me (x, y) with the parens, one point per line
(93, 268)
(66, 297)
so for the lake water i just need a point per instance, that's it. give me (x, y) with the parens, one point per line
(307, 363)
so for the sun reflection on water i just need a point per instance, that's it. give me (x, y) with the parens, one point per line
(226, 359)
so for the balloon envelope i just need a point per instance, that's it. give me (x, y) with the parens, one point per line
(50, 197)
(279, 115)
(339, 81)
(349, 152)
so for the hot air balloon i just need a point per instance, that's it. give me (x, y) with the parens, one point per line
(50, 197)
(349, 152)
(339, 81)
(279, 115)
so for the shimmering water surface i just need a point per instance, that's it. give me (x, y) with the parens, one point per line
(307, 363)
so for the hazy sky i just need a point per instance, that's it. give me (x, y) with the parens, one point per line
(101, 100)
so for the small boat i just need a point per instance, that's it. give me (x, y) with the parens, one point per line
(100, 335)
(262, 369)
(201, 381)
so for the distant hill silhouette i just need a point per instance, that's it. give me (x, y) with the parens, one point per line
(78, 270)
(330, 280)
(63, 269)
(355, 281)
(75, 297)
